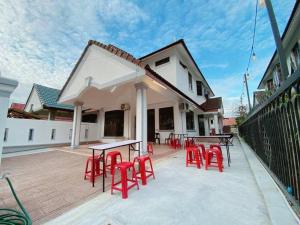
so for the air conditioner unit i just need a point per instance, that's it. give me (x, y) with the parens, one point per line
(184, 106)
(125, 106)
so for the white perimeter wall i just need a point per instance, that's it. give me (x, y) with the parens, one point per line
(18, 132)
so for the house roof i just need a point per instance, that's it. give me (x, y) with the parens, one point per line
(212, 104)
(180, 41)
(125, 55)
(229, 121)
(48, 97)
(297, 4)
(18, 106)
(16, 113)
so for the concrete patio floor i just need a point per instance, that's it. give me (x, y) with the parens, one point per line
(50, 182)
(181, 195)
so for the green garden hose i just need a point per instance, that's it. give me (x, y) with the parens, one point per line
(12, 216)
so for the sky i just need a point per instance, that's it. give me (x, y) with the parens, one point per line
(40, 41)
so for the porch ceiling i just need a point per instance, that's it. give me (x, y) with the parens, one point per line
(115, 95)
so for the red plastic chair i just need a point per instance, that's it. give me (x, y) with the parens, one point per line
(114, 155)
(143, 173)
(123, 167)
(150, 148)
(88, 171)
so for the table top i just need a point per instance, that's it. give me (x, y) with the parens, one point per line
(213, 136)
(113, 145)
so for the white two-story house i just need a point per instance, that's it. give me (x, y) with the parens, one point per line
(161, 92)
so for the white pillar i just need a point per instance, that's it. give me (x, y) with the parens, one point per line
(7, 86)
(141, 115)
(206, 125)
(100, 122)
(76, 125)
(216, 123)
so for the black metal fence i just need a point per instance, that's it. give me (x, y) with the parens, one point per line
(273, 132)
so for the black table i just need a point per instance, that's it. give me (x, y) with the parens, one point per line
(104, 147)
(224, 139)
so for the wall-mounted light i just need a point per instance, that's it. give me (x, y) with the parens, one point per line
(159, 84)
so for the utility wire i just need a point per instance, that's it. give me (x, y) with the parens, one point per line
(253, 37)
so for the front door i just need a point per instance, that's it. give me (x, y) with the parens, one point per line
(201, 125)
(151, 125)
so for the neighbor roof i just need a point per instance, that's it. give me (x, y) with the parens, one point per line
(212, 104)
(125, 55)
(48, 97)
(229, 121)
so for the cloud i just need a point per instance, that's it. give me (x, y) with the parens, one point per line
(42, 40)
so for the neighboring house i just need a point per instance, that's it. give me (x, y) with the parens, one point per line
(213, 115)
(20, 114)
(229, 125)
(161, 92)
(18, 106)
(42, 101)
(273, 78)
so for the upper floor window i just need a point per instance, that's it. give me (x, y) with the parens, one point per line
(295, 58)
(162, 61)
(199, 87)
(190, 125)
(166, 118)
(270, 84)
(190, 82)
(183, 66)
(277, 76)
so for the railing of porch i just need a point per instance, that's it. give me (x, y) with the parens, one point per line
(273, 131)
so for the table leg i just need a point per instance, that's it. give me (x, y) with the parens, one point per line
(103, 171)
(93, 169)
(228, 153)
(129, 152)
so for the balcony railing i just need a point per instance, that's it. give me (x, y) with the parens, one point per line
(273, 132)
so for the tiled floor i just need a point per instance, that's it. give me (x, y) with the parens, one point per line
(51, 183)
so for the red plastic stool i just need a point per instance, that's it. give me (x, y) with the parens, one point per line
(202, 148)
(150, 148)
(193, 156)
(218, 147)
(188, 143)
(175, 143)
(88, 172)
(113, 160)
(143, 174)
(123, 167)
(210, 153)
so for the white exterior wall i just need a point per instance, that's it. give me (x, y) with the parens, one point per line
(18, 132)
(182, 81)
(35, 100)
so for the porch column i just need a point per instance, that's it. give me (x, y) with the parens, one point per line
(206, 125)
(76, 125)
(141, 115)
(7, 86)
(216, 123)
